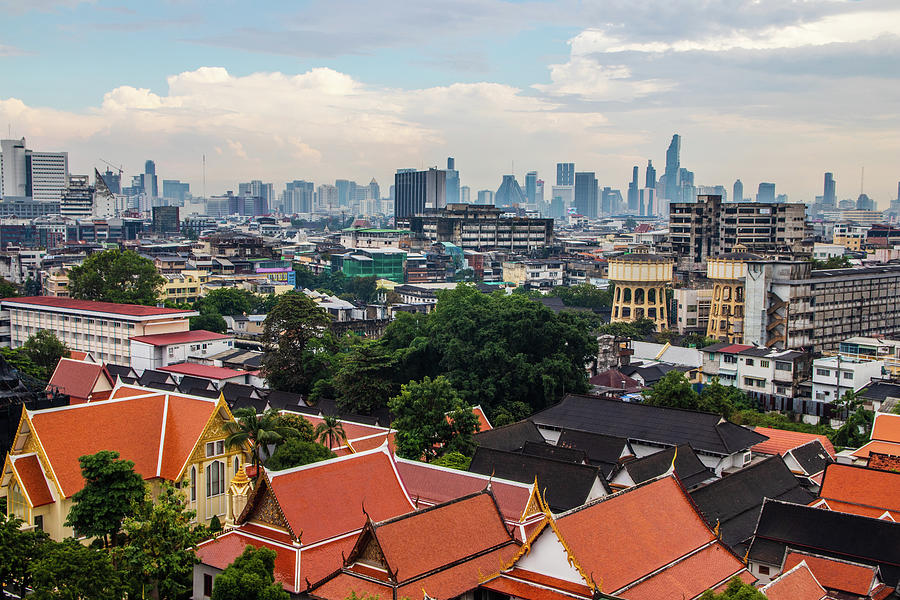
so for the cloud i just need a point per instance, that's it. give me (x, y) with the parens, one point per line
(589, 79)
(10, 51)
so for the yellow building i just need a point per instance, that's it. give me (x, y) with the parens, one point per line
(170, 437)
(183, 287)
(56, 284)
(727, 273)
(640, 280)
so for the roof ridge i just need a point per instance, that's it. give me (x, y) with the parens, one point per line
(492, 479)
(534, 457)
(431, 508)
(322, 463)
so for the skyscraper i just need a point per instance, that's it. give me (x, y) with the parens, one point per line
(13, 181)
(650, 175)
(346, 191)
(27, 173)
(173, 190)
(465, 194)
(673, 170)
(151, 187)
(765, 192)
(485, 197)
(374, 190)
(531, 186)
(298, 197)
(452, 181)
(565, 173)
(633, 194)
(586, 194)
(737, 192)
(113, 181)
(416, 191)
(509, 192)
(829, 197)
(327, 197)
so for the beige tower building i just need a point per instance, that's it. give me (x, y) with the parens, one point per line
(640, 281)
(727, 273)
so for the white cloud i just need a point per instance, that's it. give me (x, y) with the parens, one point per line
(587, 78)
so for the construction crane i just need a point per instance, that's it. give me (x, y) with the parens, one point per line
(119, 168)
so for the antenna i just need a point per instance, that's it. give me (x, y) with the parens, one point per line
(204, 175)
(862, 179)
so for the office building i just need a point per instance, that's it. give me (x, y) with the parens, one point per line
(486, 197)
(633, 194)
(707, 228)
(737, 192)
(257, 189)
(113, 181)
(374, 192)
(165, 220)
(219, 207)
(465, 194)
(26, 208)
(510, 192)
(565, 173)
(327, 197)
(829, 195)
(585, 201)
(865, 203)
(531, 187)
(476, 227)
(647, 202)
(151, 188)
(13, 178)
(346, 190)
(650, 175)
(104, 203)
(418, 191)
(673, 170)
(765, 192)
(78, 198)
(176, 192)
(26, 173)
(452, 181)
(298, 197)
(611, 201)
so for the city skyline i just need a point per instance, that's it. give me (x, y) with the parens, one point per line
(354, 97)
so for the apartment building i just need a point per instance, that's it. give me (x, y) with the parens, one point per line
(833, 376)
(876, 348)
(476, 227)
(163, 349)
(544, 274)
(104, 329)
(692, 309)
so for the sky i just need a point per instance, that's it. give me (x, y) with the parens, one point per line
(761, 90)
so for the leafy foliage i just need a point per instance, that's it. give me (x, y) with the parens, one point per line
(635, 329)
(44, 350)
(7, 289)
(357, 289)
(364, 378)
(673, 391)
(292, 426)
(22, 362)
(834, 262)
(116, 276)
(432, 419)
(776, 420)
(112, 492)
(295, 452)
(227, 302)
(70, 571)
(453, 460)
(736, 590)
(209, 322)
(259, 431)
(856, 430)
(584, 295)
(18, 549)
(330, 432)
(250, 577)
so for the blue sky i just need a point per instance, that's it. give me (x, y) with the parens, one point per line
(763, 90)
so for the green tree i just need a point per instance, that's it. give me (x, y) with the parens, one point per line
(227, 302)
(736, 590)
(250, 577)
(453, 460)
(697, 340)
(158, 556)
(510, 412)
(116, 276)
(71, 571)
(298, 343)
(776, 420)
(723, 399)
(672, 391)
(18, 549)
(7, 289)
(431, 420)
(44, 349)
(630, 224)
(295, 452)
(32, 287)
(294, 426)
(330, 432)
(584, 295)
(22, 363)
(364, 378)
(259, 431)
(112, 491)
(834, 262)
(856, 430)
(209, 322)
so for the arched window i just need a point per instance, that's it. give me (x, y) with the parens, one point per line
(215, 479)
(17, 507)
(193, 484)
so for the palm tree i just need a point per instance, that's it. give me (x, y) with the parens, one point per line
(330, 432)
(260, 431)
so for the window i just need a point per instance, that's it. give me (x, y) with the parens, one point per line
(171, 351)
(215, 448)
(215, 479)
(237, 465)
(39, 522)
(764, 364)
(763, 570)
(848, 375)
(208, 585)
(749, 362)
(823, 372)
(17, 507)
(729, 358)
(193, 484)
(782, 366)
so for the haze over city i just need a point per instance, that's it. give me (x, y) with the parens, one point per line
(762, 91)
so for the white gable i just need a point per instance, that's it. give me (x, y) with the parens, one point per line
(547, 556)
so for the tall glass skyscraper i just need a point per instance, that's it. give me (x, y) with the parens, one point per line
(829, 198)
(673, 170)
(586, 194)
(737, 192)
(565, 173)
(531, 186)
(452, 181)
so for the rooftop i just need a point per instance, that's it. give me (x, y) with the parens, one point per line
(91, 306)
(182, 337)
(205, 371)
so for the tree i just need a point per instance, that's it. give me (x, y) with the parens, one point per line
(673, 391)
(736, 590)
(298, 344)
(250, 577)
(856, 430)
(18, 549)
(158, 556)
(116, 276)
(723, 399)
(453, 460)
(112, 491)
(295, 452)
(259, 431)
(209, 322)
(44, 349)
(833, 262)
(431, 420)
(292, 425)
(32, 287)
(330, 432)
(71, 571)
(630, 224)
(584, 295)
(364, 378)
(22, 363)
(227, 301)
(7, 289)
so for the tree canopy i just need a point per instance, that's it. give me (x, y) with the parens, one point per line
(736, 590)
(116, 276)
(44, 350)
(69, 570)
(7, 289)
(364, 379)
(833, 262)
(295, 452)
(250, 577)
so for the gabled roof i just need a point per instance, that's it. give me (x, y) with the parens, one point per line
(204, 371)
(151, 377)
(546, 450)
(781, 440)
(839, 535)
(886, 427)
(733, 503)
(811, 457)
(688, 466)
(78, 378)
(181, 337)
(705, 432)
(878, 446)
(796, 584)
(221, 551)
(833, 574)
(613, 378)
(509, 437)
(156, 430)
(568, 485)
(483, 423)
(34, 482)
(604, 451)
(861, 491)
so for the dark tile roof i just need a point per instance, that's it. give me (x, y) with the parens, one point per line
(705, 432)
(510, 437)
(734, 501)
(689, 468)
(233, 391)
(546, 450)
(257, 404)
(149, 376)
(189, 383)
(828, 533)
(761, 352)
(650, 374)
(813, 457)
(123, 371)
(879, 390)
(568, 485)
(715, 347)
(603, 451)
(284, 400)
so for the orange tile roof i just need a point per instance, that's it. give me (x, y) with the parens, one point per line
(353, 431)
(345, 486)
(31, 476)
(886, 427)
(653, 524)
(889, 448)
(77, 355)
(781, 441)
(129, 424)
(483, 423)
(852, 489)
(834, 574)
(78, 378)
(689, 577)
(522, 589)
(320, 561)
(797, 584)
(221, 551)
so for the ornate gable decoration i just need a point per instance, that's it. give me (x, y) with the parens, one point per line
(367, 551)
(263, 507)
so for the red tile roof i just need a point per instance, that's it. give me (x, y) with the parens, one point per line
(353, 431)
(886, 427)
(889, 448)
(182, 337)
(130, 310)
(734, 348)
(833, 574)
(31, 476)
(203, 371)
(781, 441)
(522, 589)
(688, 578)
(797, 584)
(483, 423)
(343, 487)
(613, 378)
(863, 491)
(129, 425)
(221, 551)
(78, 378)
(320, 561)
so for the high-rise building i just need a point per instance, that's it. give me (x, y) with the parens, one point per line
(418, 191)
(452, 181)
(298, 197)
(78, 198)
(865, 203)
(673, 170)
(465, 194)
(327, 197)
(633, 195)
(104, 204)
(586, 194)
(531, 187)
(374, 190)
(765, 192)
(151, 188)
(485, 196)
(13, 179)
(829, 197)
(509, 192)
(174, 190)
(611, 201)
(737, 192)
(346, 191)
(650, 175)
(165, 220)
(113, 181)
(648, 202)
(27, 173)
(565, 173)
